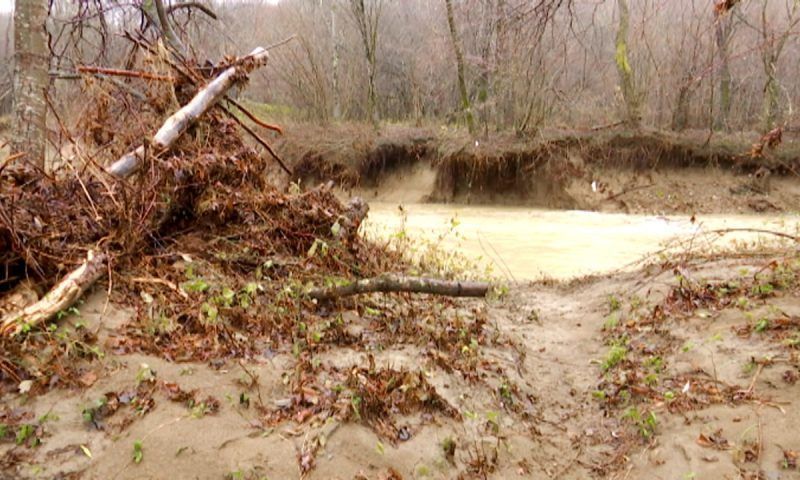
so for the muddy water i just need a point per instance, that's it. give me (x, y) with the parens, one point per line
(528, 244)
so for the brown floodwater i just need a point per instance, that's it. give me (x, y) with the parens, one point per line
(529, 244)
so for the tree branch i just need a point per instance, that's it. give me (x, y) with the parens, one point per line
(397, 283)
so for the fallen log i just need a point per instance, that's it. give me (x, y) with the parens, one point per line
(397, 283)
(183, 118)
(71, 287)
(59, 298)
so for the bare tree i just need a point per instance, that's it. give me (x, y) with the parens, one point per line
(367, 15)
(772, 46)
(466, 106)
(626, 75)
(30, 79)
(724, 27)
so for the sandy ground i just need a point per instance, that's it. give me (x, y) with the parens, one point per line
(551, 425)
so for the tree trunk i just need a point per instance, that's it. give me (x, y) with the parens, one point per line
(367, 21)
(626, 75)
(771, 94)
(680, 117)
(462, 83)
(30, 80)
(723, 35)
(337, 106)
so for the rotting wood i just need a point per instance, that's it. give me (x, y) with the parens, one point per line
(397, 283)
(59, 298)
(183, 118)
(72, 286)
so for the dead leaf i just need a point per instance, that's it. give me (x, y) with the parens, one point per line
(88, 378)
(714, 440)
(790, 459)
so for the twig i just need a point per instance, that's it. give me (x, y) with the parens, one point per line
(10, 159)
(118, 72)
(188, 5)
(257, 139)
(755, 377)
(630, 190)
(252, 117)
(253, 382)
(723, 231)
(281, 43)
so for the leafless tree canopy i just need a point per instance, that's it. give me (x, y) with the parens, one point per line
(527, 65)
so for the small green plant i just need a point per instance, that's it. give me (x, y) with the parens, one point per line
(612, 321)
(506, 393)
(196, 285)
(318, 247)
(742, 303)
(646, 424)
(493, 420)
(449, 448)
(614, 303)
(210, 313)
(355, 404)
(70, 311)
(599, 395)
(762, 325)
(237, 475)
(138, 452)
(763, 290)
(615, 355)
(749, 367)
(145, 374)
(25, 432)
(655, 362)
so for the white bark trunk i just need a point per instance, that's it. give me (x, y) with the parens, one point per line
(59, 298)
(183, 118)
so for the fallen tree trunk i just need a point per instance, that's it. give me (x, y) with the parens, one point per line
(175, 125)
(71, 287)
(59, 298)
(397, 283)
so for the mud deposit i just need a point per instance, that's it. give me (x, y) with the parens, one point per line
(706, 387)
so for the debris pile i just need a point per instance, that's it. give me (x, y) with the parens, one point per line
(202, 240)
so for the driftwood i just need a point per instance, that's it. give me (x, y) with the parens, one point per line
(71, 287)
(397, 283)
(183, 118)
(61, 297)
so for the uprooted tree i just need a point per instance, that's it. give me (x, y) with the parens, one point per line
(133, 205)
